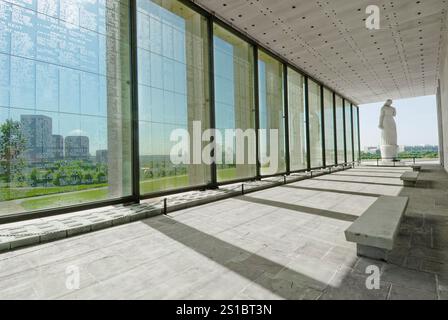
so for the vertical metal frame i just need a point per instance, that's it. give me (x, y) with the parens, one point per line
(353, 134)
(211, 64)
(335, 130)
(359, 135)
(322, 113)
(307, 125)
(344, 130)
(257, 113)
(286, 118)
(135, 157)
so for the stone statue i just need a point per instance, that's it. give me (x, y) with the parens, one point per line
(389, 147)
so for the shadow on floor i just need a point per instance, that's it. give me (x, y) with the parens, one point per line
(260, 270)
(377, 171)
(352, 193)
(360, 182)
(302, 209)
(365, 176)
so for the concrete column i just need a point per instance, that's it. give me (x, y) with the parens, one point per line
(198, 95)
(274, 103)
(244, 103)
(118, 99)
(296, 121)
(440, 125)
(442, 98)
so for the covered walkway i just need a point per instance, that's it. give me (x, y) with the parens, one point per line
(286, 242)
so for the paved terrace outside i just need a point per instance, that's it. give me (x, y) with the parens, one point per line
(285, 242)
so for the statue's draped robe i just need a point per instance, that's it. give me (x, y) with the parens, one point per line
(389, 131)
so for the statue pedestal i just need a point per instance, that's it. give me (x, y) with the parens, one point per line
(389, 152)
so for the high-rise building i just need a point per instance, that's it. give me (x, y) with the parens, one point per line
(37, 131)
(101, 156)
(77, 147)
(57, 147)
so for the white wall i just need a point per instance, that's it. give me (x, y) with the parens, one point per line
(443, 102)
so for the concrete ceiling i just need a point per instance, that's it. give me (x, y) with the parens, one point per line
(329, 40)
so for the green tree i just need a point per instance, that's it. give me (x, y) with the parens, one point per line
(48, 176)
(57, 177)
(88, 178)
(34, 177)
(12, 146)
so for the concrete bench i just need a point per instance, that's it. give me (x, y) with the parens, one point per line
(416, 168)
(375, 230)
(409, 178)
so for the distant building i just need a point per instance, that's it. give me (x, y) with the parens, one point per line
(101, 156)
(37, 131)
(57, 147)
(422, 148)
(77, 147)
(371, 150)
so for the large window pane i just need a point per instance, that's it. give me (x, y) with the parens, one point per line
(329, 127)
(356, 131)
(340, 129)
(272, 122)
(65, 128)
(348, 131)
(173, 93)
(234, 103)
(315, 124)
(297, 121)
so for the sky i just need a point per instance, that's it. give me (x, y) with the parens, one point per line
(416, 121)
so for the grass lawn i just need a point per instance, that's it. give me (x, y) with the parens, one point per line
(154, 185)
(54, 197)
(66, 199)
(28, 192)
(176, 182)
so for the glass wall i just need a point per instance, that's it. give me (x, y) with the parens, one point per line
(348, 131)
(66, 116)
(315, 124)
(234, 105)
(329, 128)
(271, 115)
(356, 132)
(65, 128)
(340, 130)
(297, 121)
(174, 97)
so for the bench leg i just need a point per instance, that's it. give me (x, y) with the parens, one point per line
(408, 183)
(371, 252)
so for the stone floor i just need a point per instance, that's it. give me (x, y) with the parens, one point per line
(285, 242)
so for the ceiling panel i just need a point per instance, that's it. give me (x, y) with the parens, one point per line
(329, 40)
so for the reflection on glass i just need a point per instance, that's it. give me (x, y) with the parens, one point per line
(64, 103)
(297, 121)
(173, 91)
(340, 129)
(234, 101)
(348, 131)
(315, 121)
(271, 113)
(329, 127)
